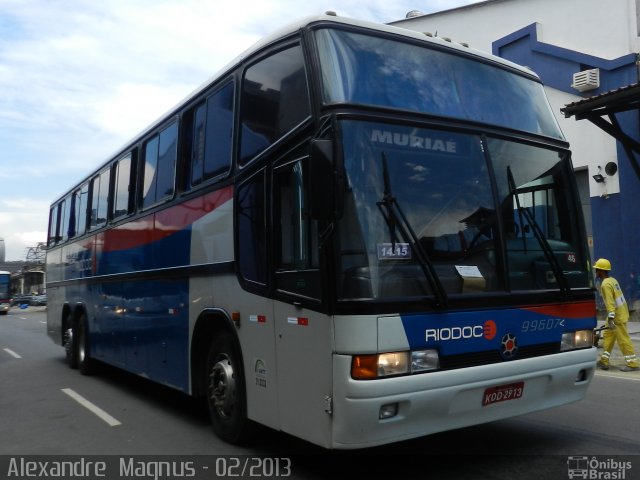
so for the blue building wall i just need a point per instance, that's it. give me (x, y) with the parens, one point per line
(616, 218)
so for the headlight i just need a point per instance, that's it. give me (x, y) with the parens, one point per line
(577, 339)
(366, 367)
(424, 360)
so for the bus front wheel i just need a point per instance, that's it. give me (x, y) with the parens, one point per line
(226, 394)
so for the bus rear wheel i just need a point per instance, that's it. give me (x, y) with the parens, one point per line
(76, 345)
(226, 394)
(84, 361)
(70, 342)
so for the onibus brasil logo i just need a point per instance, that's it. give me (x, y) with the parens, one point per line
(597, 468)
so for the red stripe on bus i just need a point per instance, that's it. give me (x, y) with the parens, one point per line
(569, 310)
(162, 224)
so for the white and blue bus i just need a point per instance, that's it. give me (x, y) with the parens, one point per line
(355, 234)
(5, 292)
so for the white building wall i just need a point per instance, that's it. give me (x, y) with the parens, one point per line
(590, 146)
(606, 29)
(595, 27)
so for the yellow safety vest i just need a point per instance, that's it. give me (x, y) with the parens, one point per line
(614, 299)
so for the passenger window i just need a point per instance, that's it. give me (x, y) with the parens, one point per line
(274, 100)
(54, 215)
(67, 223)
(121, 188)
(197, 147)
(159, 168)
(80, 198)
(212, 135)
(99, 200)
(219, 130)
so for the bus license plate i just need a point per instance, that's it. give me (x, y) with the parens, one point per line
(502, 393)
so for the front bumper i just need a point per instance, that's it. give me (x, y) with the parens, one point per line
(439, 401)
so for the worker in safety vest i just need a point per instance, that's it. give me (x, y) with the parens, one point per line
(617, 318)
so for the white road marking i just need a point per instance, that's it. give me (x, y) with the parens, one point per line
(618, 375)
(112, 422)
(12, 353)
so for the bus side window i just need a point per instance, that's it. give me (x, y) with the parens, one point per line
(81, 197)
(275, 99)
(252, 229)
(197, 144)
(159, 167)
(211, 136)
(122, 187)
(217, 159)
(297, 261)
(63, 220)
(99, 200)
(54, 216)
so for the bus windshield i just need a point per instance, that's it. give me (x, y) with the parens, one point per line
(370, 70)
(423, 217)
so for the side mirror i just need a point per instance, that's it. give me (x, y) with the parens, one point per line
(321, 180)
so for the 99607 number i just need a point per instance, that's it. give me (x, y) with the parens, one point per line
(542, 324)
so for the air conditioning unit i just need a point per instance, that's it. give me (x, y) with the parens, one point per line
(586, 80)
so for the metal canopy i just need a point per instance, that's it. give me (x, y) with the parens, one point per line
(607, 105)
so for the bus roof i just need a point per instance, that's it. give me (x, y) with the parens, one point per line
(289, 30)
(328, 18)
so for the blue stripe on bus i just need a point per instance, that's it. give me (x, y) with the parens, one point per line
(142, 327)
(465, 332)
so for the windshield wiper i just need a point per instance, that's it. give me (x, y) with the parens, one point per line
(537, 231)
(396, 220)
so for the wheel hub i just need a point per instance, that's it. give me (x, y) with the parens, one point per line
(222, 387)
(68, 340)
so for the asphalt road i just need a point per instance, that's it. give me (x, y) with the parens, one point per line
(48, 409)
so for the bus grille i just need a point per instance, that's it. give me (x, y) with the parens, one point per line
(451, 362)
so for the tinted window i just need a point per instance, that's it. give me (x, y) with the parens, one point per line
(371, 70)
(121, 188)
(197, 147)
(252, 250)
(53, 225)
(99, 200)
(274, 100)
(80, 208)
(159, 167)
(297, 259)
(298, 233)
(212, 131)
(219, 130)
(65, 215)
(150, 175)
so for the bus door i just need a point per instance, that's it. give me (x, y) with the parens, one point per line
(303, 335)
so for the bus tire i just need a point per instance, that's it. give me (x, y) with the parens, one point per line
(225, 390)
(84, 361)
(70, 342)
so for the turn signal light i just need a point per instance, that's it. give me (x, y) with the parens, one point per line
(380, 365)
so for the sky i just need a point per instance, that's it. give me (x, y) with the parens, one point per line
(80, 78)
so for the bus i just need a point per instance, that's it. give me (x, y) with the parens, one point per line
(354, 233)
(5, 292)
